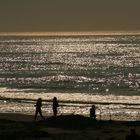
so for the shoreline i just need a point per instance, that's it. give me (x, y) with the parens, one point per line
(104, 111)
(26, 100)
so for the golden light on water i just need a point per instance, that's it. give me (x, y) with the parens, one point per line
(71, 103)
(78, 70)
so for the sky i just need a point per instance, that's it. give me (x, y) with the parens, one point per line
(69, 15)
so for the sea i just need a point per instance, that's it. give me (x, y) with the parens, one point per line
(80, 70)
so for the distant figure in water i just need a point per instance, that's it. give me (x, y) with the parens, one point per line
(132, 135)
(38, 108)
(55, 105)
(92, 112)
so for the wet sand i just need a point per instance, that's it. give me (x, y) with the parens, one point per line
(68, 127)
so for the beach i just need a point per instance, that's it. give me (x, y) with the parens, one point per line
(69, 70)
(22, 127)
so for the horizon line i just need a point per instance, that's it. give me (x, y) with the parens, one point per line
(112, 32)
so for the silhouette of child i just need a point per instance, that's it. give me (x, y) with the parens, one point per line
(38, 108)
(133, 135)
(92, 112)
(55, 105)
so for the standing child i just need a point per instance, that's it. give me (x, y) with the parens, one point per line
(92, 112)
(55, 105)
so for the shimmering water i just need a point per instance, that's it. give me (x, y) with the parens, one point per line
(79, 70)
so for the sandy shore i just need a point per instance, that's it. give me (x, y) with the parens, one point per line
(68, 127)
(16, 117)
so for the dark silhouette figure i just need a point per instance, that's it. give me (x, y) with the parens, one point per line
(55, 105)
(132, 135)
(92, 112)
(38, 108)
